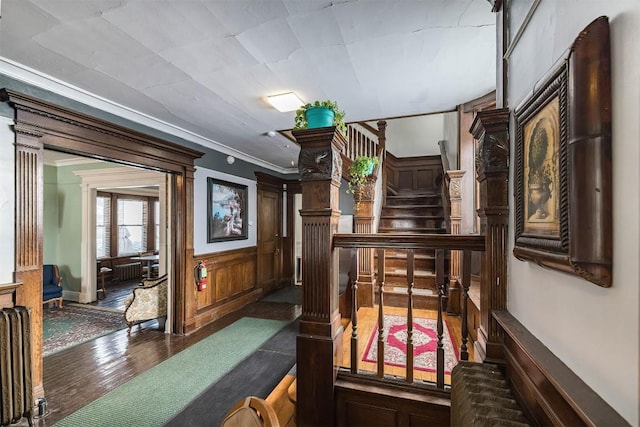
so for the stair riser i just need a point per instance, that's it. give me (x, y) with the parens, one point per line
(412, 211)
(422, 302)
(411, 222)
(399, 230)
(413, 200)
(419, 264)
(419, 282)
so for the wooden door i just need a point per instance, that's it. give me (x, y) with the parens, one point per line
(269, 238)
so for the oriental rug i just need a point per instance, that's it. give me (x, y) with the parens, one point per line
(73, 324)
(425, 343)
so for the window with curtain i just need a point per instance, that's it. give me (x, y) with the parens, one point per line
(103, 229)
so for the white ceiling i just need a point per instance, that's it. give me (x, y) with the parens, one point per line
(206, 66)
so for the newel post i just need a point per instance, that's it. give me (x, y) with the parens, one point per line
(455, 196)
(363, 223)
(491, 129)
(319, 342)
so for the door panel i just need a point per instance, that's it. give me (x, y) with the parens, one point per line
(269, 236)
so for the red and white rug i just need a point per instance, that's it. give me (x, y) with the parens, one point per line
(425, 343)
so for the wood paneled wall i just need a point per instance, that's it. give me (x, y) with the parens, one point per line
(231, 283)
(422, 174)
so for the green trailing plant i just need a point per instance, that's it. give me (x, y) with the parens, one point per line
(359, 170)
(338, 115)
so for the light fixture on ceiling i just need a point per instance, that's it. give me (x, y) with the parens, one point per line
(271, 133)
(285, 102)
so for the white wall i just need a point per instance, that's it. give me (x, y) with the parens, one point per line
(593, 330)
(415, 136)
(7, 204)
(200, 244)
(450, 128)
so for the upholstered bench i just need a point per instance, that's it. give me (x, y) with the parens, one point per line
(480, 396)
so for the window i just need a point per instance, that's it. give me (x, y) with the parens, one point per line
(103, 231)
(156, 222)
(126, 225)
(132, 230)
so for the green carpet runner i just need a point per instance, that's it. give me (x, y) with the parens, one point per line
(155, 396)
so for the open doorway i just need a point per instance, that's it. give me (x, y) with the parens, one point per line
(99, 217)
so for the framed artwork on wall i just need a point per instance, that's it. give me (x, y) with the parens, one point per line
(562, 187)
(226, 211)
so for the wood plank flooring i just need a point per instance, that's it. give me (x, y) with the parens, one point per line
(77, 376)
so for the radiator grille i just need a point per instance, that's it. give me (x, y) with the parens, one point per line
(16, 389)
(132, 270)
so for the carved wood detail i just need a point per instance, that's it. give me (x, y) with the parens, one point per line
(320, 339)
(491, 129)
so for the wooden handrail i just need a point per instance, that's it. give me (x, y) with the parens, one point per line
(472, 242)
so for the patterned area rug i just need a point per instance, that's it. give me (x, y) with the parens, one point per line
(425, 343)
(73, 325)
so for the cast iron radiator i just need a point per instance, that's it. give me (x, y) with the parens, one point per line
(16, 389)
(132, 270)
(480, 396)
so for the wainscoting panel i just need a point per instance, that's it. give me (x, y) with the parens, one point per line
(231, 283)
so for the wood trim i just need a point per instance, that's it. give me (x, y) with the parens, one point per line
(367, 401)
(39, 125)
(549, 391)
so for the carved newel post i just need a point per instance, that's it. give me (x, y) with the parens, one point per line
(491, 129)
(363, 223)
(319, 342)
(455, 196)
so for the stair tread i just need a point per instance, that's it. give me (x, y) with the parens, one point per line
(411, 206)
(403, 272)
(411, 216)
(403, 290)
(416, 230)
(392, 254)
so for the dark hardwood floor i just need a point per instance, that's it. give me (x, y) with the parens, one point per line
(115, 294)
(77, 376)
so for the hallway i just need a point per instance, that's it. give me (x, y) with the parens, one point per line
(82, 374)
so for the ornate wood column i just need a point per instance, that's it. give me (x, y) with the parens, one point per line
(319, 342)
(28, 249)
(363, 218)
(491, 129)
(455, 196)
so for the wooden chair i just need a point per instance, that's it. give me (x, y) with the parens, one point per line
(51, 284)
(147, 302)
(251, 412)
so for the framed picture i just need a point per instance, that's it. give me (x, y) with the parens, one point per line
(226, 211)
(562, 187)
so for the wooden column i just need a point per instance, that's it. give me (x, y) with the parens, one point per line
(320, 338)
(29, 220)
(363, 219)
(491, 129)
(455, 196)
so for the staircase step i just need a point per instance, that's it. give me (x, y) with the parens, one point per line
(412, 230)
(397, 297)
(425, 260)
(421, 279)
(425, 221)
(409, 210)
(413, 199)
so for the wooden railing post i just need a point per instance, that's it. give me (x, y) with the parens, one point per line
(319, 342)
(363, 224)
(491, 129)
(455, 196)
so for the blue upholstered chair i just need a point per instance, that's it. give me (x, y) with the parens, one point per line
(51, 284)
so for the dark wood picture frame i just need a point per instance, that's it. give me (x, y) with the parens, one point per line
(562, 188)
(226, 211)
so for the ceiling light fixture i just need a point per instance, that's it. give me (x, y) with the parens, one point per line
(285, 102)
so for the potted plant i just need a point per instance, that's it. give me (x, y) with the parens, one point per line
(359, 170)
(320, 114)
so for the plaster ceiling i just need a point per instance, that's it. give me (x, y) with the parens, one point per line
(206, 66)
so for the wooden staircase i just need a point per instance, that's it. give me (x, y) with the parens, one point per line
(416, 213)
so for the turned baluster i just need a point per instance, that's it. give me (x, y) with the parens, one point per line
(354, 311)
(440, 330)
(466, 280)
(381, 277)
(410, 281)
